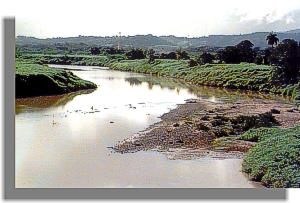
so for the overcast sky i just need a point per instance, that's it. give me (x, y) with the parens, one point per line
(192, 18)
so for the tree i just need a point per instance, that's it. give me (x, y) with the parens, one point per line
(150, 52)
(95, 51)
(152, 57)
(266, 56)
(287, 56)
(112, 51)
(272, 39)
(245, 44)
(247, 54)
(258, 60)
(182, 54)
(171, 55)
(135, 54)
(192, 63)
(230, 54)
(242, 52)
(205, 58)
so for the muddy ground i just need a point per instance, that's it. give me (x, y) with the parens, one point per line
(202, 129)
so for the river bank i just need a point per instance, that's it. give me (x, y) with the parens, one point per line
(72, 132)
(32, 79)
(201, 129)
(243, 76)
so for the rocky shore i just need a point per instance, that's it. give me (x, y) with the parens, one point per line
(203, 129)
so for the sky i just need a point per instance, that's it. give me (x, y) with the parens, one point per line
(190, 18)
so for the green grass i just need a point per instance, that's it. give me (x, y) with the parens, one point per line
(35, 80)
(243, 76)
(82, 60)
(275, 159)
(259, 134)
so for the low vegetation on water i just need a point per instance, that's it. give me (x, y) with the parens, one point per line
(35, 80)
(275, 159)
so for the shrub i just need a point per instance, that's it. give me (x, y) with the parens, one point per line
(205, 58)
(171, 55)
(95, 51)
(274, 160)
(255, 135)
(192, 63)
(135, 54)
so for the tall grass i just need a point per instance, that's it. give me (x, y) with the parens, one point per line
(243, 76)
(34, 80)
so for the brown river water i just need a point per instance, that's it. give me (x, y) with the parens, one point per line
(63, 141)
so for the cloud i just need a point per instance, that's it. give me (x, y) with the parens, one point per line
(167, 17)
(241, 23)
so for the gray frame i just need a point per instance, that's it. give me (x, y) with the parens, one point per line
(10, 192)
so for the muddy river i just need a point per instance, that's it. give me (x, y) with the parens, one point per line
(63, 141)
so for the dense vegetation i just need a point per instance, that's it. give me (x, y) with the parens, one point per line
(275, 159)
(34, 80)
(244, 76)
(82, 44)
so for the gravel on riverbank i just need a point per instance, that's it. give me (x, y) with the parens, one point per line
(202, 129)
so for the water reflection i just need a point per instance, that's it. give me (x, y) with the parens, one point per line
(40, 103)
(214, 94)
(133, 81)
(61, 141)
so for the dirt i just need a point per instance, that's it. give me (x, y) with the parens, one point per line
(202, 129)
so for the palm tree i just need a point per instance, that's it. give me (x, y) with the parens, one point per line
(272, 39)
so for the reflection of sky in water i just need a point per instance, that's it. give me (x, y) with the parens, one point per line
(63, 142)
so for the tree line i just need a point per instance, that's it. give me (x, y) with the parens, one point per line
(285, 55)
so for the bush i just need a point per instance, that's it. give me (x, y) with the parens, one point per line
(259, 134)
(135, 54)
(95, 51)
(171, 55)
(192, 63)
(182, 55)
(274, 160)
(205, 58)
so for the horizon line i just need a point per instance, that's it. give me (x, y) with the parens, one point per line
(110, 36)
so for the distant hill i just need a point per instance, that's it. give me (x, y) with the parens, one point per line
(156, 42)
(293, 31)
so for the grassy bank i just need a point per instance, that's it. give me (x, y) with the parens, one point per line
(32, 79)
(275, 159)
(243, 76)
